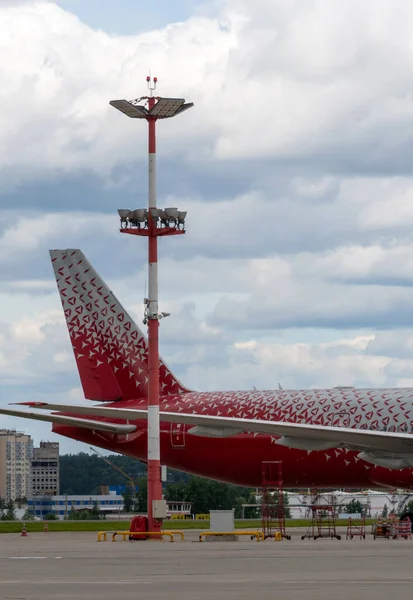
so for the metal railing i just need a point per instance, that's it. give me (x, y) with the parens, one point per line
(102, 535)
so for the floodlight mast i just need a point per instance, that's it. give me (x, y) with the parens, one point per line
(153, 227)
(154, 442)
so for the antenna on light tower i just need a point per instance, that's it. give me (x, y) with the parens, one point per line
(153, 222)
(151, 83)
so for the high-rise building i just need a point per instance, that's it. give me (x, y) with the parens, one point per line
(16, 451)
(45, 469)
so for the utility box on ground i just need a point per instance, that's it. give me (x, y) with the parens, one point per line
(221, 520)
(160, 509)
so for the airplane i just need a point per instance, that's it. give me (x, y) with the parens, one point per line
(326, 438)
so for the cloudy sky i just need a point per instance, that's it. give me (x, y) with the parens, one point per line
(295, 166)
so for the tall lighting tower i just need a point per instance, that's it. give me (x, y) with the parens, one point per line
(152, 223)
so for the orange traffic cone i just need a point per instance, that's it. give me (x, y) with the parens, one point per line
(46, 527)
(24, 532)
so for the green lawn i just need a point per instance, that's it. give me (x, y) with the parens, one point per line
(55, 526)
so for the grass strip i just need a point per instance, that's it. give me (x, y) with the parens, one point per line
(69, 526)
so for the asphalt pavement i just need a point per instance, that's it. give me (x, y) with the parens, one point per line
(65, 566)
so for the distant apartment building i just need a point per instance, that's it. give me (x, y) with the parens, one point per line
(16, 452)
(45, 469)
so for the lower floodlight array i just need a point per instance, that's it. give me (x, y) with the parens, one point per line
(139, 218)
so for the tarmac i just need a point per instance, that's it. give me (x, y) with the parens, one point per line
(46, 566)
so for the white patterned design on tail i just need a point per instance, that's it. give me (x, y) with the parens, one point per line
(111, 352)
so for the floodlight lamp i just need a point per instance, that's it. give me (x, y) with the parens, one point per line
(162, 215)
(184, 107)
(155, 212)
(166, 107)
(172, 213)
(129, 109)
(181, 215)
(138, 214)
(123, 213)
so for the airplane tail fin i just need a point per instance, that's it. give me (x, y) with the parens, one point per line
(111, 351)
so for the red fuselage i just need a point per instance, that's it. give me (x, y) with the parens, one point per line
(238, 459)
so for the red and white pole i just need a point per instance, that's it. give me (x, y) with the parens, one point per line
(170, 108)
(154, 456)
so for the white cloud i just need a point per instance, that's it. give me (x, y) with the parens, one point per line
(323, 82)
(37, 351)
(15, 3)
(33, 347)
(295, 365)
(297, 269)
(26, 236)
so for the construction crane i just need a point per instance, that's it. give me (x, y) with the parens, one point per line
(132, 481)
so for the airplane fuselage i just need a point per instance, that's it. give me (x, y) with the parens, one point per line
(373, 448)
(238, 458)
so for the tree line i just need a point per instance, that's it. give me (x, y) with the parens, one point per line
(7, 510)
(203, 494)
(85, 474)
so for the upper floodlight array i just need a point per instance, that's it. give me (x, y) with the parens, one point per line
(164, 108)
(161, 218)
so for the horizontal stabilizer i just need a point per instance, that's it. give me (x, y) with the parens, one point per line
(71, 421)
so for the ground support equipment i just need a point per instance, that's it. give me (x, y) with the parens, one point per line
(356, 529)
(272, 503)
(323, 520)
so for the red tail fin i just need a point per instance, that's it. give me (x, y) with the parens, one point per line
(110, 350)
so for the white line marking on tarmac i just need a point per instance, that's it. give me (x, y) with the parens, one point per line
(191, 579)
(28, 557)
(34, 557)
